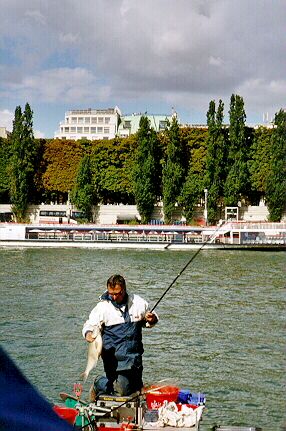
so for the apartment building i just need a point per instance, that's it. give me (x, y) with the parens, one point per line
(106, 124)
(89, 124)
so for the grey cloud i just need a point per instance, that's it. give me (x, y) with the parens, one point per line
(172, 50)
(62, 84)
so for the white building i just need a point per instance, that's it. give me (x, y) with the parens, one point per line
(4, 132)
(89, 124)
(130, 123)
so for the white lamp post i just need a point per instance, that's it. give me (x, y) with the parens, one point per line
(206, 207)
(69, 210)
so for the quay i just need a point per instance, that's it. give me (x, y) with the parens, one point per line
(228, 236)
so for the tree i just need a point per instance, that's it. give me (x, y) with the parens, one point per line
(21, 170)
(61, 158)
(193, 187)
(276, 182)
(194, 144)
(146, 170)
(259, 166)
(215, 160)
(4, 163)
(237, 183)
(82, 194)
(112, 169)
(173, 171)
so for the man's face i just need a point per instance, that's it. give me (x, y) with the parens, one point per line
(116, 293)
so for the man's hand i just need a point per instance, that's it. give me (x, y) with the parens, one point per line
(151, 318)
(89, 336)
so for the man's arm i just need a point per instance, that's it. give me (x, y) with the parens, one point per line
(93, 325)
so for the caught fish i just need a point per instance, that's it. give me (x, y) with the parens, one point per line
(93, 353)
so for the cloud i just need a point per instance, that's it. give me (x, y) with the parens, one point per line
(38, 134)
(36, 16)
(60, 85)
(6, 119)
(129, 52)
(215, 61)
(267, 96)
(68, 38)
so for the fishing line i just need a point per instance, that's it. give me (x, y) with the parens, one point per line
(185, 267)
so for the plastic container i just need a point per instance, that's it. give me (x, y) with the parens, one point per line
(151, 416)
(198, 399)
(156, 396)
(185, 396)
(66, 413)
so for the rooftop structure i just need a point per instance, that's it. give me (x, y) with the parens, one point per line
(130, 123)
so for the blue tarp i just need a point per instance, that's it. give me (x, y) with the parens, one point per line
(22, 407)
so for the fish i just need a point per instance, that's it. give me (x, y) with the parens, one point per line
(93, 353)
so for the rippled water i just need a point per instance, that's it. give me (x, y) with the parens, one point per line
(221, 330)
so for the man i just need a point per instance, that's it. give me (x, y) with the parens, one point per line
(120, 317)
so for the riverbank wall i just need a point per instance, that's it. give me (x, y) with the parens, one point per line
(118, 214)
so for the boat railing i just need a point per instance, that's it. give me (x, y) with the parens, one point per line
(241, 225)
(211, 236)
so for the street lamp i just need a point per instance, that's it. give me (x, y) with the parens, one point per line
(206, 207)
(69, 210)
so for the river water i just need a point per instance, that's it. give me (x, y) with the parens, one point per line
(221, 329)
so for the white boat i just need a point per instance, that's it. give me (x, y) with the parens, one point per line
(231, 235)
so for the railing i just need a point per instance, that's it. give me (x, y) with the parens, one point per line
(91, 112)
(164, 238)
(257, 225)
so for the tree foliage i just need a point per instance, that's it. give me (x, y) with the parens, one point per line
(237, 184)
(259, 166)
(194, 144)
(146, 170)
(112, 167)
(82, 194)
(234, 163)
(4, 163)
(22, 162)
(173, 171)
(276, 180)
(62, 158)
(193, 187)
(215, 161)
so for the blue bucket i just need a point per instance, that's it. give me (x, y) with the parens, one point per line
(183, 396)
(187, 397)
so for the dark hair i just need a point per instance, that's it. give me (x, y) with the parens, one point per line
(116, 279)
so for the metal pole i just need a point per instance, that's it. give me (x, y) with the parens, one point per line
(206, 206)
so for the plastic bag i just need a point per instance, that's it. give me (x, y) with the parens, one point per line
(186, 417)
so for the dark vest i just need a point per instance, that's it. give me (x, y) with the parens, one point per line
(122, 343)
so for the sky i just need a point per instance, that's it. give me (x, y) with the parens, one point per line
(142, 56)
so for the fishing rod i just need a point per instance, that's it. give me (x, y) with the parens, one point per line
(186, 266)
